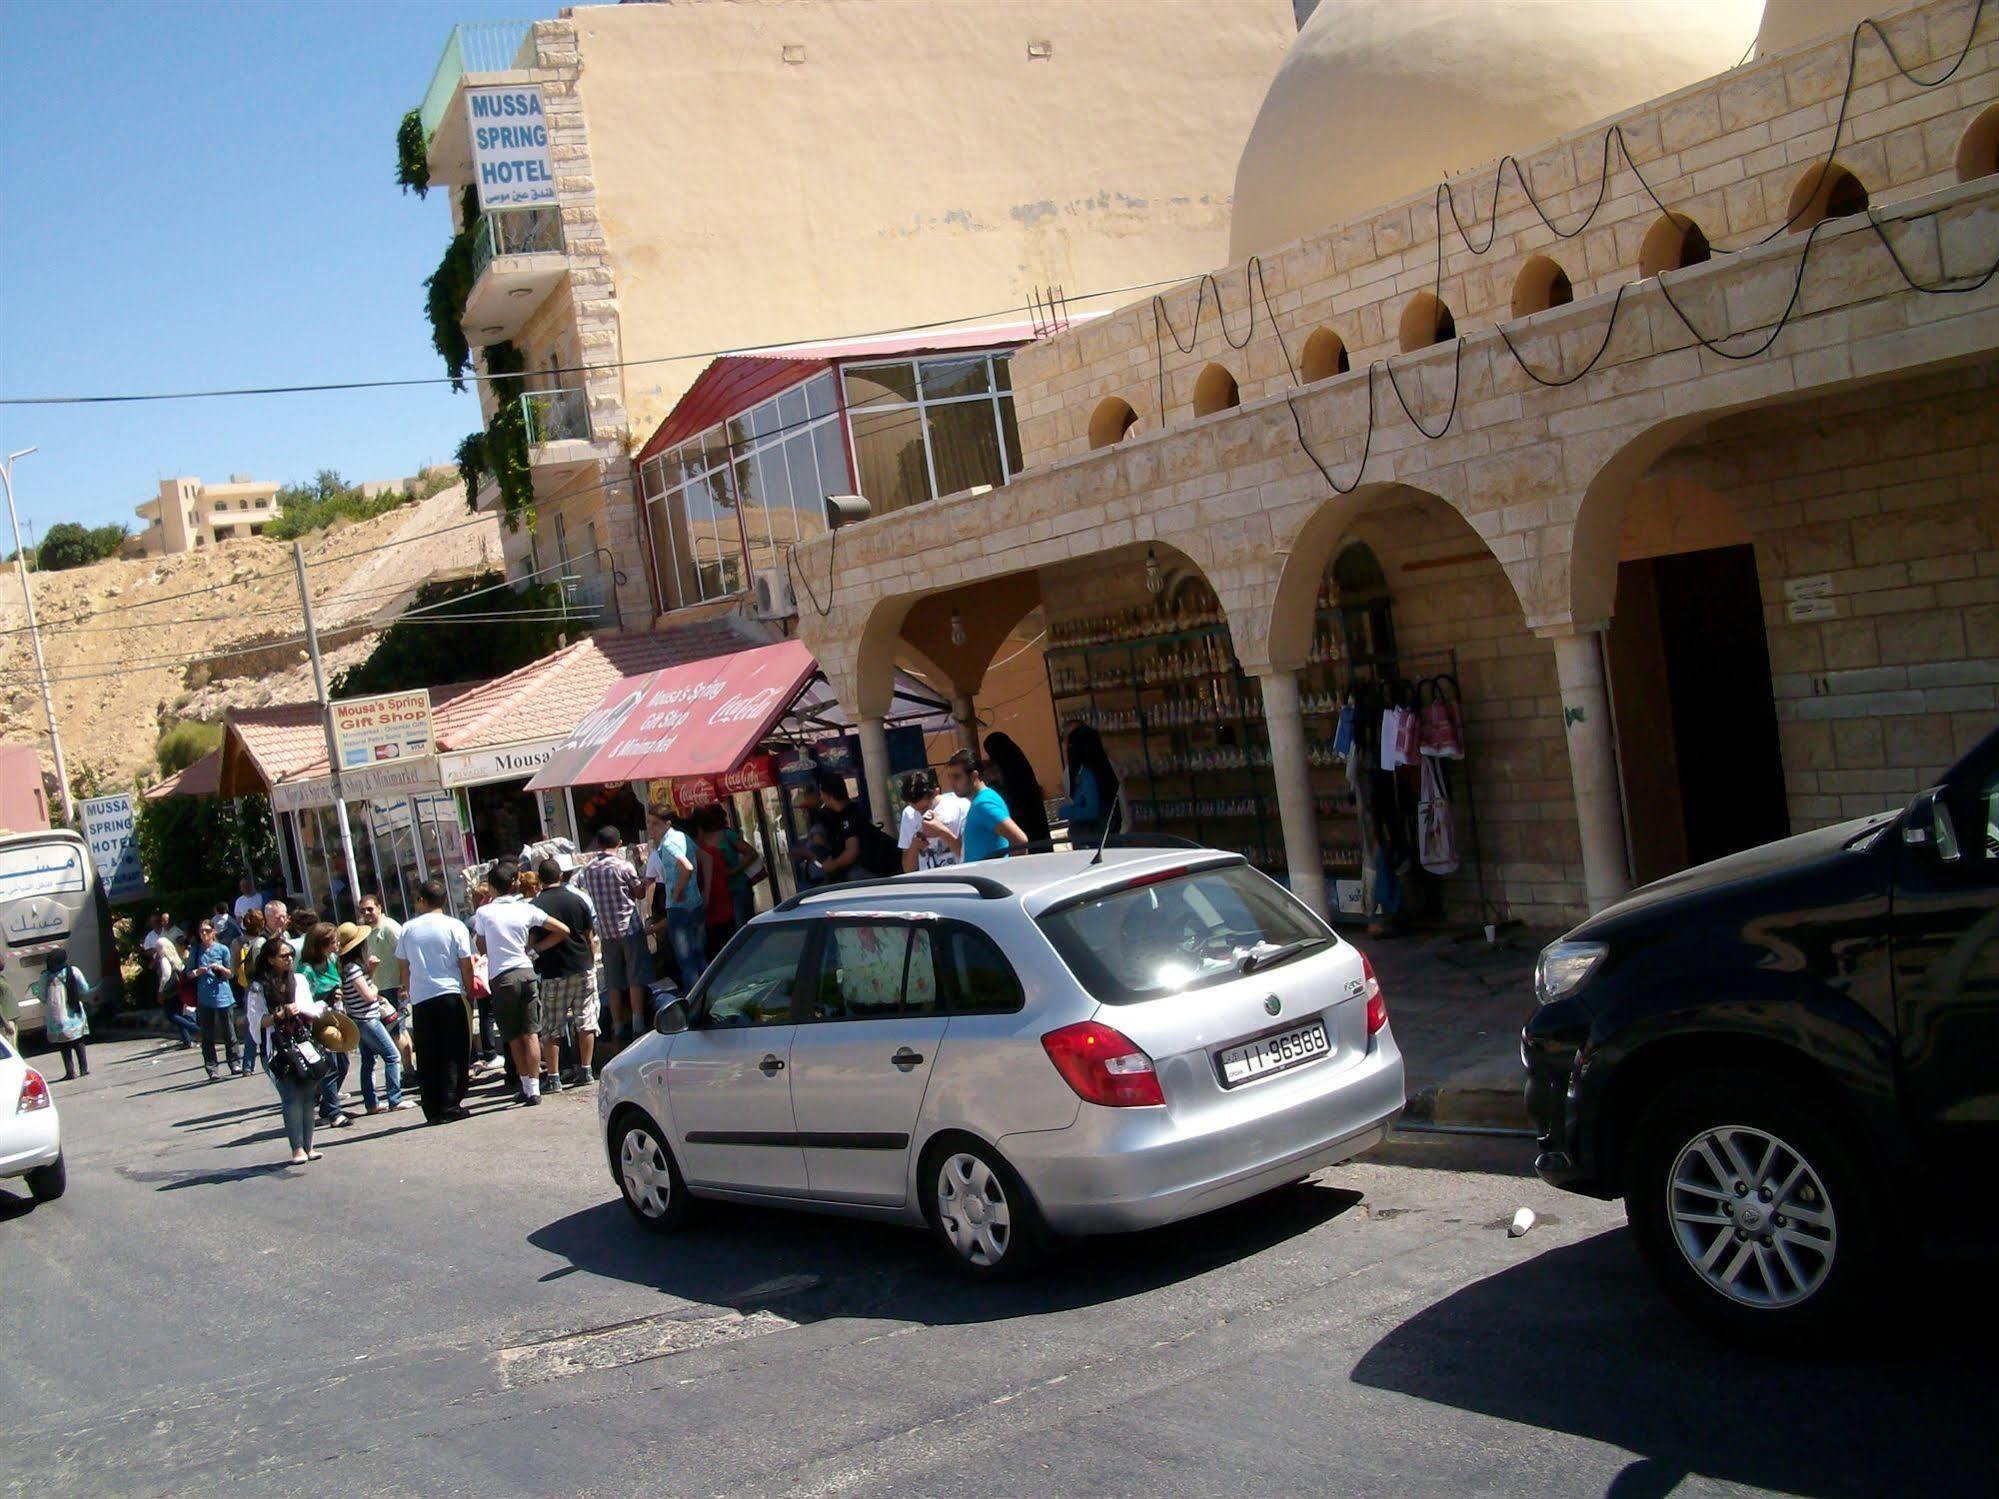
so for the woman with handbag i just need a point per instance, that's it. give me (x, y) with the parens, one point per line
(285, 1010)
(321, 973)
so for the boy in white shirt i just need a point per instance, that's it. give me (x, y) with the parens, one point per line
(933, 823)
(510, 931)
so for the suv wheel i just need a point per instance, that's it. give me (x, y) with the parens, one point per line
(648, 1177)
(982, 1212)
(1750, 1207)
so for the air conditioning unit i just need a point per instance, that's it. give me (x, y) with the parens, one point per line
(775, 599)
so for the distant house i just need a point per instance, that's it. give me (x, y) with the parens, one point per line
(188, 513)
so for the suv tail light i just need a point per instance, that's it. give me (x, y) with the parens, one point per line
(1377, 1007)
(1103, 1066)
(34, 1093)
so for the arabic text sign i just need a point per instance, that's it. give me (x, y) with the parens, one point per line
(510, 146)
(375, 730)
(31, 869)
(111, 828)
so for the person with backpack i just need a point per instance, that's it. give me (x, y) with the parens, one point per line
(285, 1011)
(64, 991)
(249, 943)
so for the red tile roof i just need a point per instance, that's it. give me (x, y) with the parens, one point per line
(198, 779)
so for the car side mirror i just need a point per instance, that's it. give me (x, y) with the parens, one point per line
(670, 1019)
(1929, 822)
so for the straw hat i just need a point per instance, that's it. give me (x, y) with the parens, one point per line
(350, 936)
(335, 1032)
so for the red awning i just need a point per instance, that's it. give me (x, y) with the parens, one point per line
(701, 719)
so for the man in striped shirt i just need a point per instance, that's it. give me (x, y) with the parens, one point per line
(613, 887)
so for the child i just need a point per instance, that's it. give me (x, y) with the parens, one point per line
(63, 992)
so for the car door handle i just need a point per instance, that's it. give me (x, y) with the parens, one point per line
(771, 1065)
(906, 1059)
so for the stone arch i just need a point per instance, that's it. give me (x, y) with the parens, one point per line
(1826, 190)
(1673, 242)
(1978, 148)
(1111, 422)
(1324, 356)
(1215, 390)
(1541, 284)
(1425, 321)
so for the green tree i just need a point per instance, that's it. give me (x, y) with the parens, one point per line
(185, 743)
(425, 652)
(68, 544)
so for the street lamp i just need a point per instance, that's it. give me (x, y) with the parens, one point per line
(35, 636)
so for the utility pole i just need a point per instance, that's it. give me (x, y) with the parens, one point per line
(326, 723)
(35, 636)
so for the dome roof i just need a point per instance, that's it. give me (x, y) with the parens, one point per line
(1376, 100)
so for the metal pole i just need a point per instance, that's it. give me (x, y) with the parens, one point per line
(35, 637)
(332, 750)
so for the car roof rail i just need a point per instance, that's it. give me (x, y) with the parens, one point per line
(984, 886)
(1151, 840)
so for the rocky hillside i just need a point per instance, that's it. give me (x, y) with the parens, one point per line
(123, 666)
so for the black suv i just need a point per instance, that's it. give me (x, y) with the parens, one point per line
(1787, 1061)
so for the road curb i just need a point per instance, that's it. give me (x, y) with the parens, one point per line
(1486, 1108)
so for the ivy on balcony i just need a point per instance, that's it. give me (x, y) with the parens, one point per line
(502, 449)
(448, 288)
(412, 155)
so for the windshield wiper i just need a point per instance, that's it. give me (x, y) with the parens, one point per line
(1265, 954)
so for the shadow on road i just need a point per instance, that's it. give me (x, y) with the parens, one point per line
(1579, 1340)
(807, 1267)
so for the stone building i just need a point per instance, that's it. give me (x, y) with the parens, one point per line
(188, 513)
(1671, 436)
(733, 175)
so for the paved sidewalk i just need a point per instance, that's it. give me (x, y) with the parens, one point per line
(1457, 1006)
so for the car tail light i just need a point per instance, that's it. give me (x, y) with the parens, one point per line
(1377, 1006)
(34, 1093)
(1103, 1066)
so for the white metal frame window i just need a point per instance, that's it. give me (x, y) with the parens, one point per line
(928, 427)
(728, 498)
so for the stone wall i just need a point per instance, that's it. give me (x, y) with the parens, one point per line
(1728, 153)
(1890, 494)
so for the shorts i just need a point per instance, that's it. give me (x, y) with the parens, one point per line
(627, 964)
(517, 1005)
(570, 999)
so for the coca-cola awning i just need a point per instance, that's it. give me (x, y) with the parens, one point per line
(701, 719)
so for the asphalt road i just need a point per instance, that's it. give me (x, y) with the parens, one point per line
(468, 1310)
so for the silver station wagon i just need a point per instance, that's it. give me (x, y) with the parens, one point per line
(1012, 1051)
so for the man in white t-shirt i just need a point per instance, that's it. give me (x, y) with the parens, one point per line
(933, 823)
(250, 900)
(510, 931)
(436, 954)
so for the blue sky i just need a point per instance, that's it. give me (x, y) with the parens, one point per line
(205, 196)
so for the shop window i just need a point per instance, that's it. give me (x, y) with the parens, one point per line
(1826, 191)
(1541, 284)
(1357, 599)
(1111, 422)
(1426, 321)
(924, 428)
(1674, 242)
(1215, 390)
(1978, 151)
(1324, 356)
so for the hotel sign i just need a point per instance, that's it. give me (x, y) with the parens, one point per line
(510, 159)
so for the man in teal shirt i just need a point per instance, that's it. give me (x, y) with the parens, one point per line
(989, 832)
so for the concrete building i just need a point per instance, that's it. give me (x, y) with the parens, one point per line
(1671, 437)
(729, 175)
(188, 513)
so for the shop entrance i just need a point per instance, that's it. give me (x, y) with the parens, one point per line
(1696, 719)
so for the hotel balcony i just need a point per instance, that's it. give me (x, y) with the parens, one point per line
(560, 443)
(476, 53)
(517, 260)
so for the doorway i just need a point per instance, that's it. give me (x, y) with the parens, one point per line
(1696, 718)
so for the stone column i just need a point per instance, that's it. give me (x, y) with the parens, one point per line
(1593, 766)
(966, 717)
(1296, 809)
(874, 767)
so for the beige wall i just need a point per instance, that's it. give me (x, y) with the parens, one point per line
(917, 164)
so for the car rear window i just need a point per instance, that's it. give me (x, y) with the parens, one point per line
(1168, 936)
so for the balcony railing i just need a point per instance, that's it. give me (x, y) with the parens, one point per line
(515, 231)
(473, 47)
(556, 416)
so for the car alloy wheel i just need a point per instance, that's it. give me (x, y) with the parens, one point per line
(1752, 1216)
(642, 1168)
(972, 1210)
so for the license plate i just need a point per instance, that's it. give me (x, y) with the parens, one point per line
(1268, 1054)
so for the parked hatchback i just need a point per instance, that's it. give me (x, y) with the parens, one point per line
(30, 1129)
(1058, 1044)
(1787, 1062)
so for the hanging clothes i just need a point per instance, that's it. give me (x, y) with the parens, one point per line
(1442, 730)
(1436, 830)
